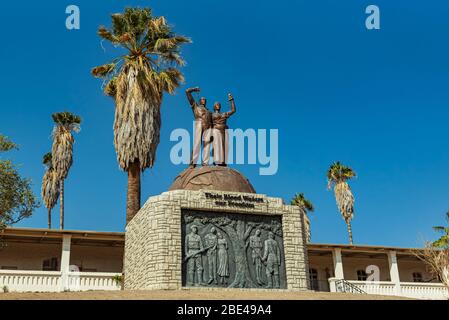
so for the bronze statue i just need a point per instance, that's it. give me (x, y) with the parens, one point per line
(203, 124)
(219, 125)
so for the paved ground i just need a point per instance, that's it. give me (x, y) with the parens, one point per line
(192, 295)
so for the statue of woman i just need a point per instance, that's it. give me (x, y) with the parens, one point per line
(220, 133)
(223, 266)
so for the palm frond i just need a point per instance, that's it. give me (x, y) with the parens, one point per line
(338, 172)
(50, 188)
(136, 20)
(301, 201)
(171, 58)
(158, 25)
(6, 144)
(170, 79)
(118, 24)
(442, 242)
(66, 118)
(104, 33)
(345, 200)
(47, 160)
(439, 228)
(163, 45)
(110, 89)
(103, 71)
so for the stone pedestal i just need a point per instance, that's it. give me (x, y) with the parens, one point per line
(155, 243)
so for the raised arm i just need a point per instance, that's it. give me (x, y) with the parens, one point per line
(189, 95)
(233, 109)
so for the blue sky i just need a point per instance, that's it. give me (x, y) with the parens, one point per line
(376, 100)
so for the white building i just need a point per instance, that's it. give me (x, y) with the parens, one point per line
(40, 260)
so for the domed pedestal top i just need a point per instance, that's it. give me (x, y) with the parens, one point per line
(212, 178)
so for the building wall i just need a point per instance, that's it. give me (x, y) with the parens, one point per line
(352, 264)
(325, 266)
(325, 270)
(28, 256)
(97, 259)
(407, 267)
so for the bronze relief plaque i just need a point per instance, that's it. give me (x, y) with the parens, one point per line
(232, 250)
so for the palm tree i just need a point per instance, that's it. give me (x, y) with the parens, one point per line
(62, 151)
(136, 81)
(307, 206)
(338, 175)
(443, 241)
(300, 201)
(50, 186)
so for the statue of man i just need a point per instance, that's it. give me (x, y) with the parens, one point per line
(193, 250)
(211, 253)
(255, 243)
(203, 122)
(272, 255)
(221, 137)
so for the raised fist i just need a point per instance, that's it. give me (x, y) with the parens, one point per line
(196, 89)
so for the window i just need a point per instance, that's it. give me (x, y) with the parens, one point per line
(50, 264)
(361, 275)
(313, 278)
(417, 277)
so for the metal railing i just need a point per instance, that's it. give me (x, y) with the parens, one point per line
(347, 287)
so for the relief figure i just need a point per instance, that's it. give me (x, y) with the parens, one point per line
(223, 264)
(193, 250)
(211, 253)
(256, 246)
(272, 256)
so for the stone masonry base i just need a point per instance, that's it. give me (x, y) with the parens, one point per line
(153, 256)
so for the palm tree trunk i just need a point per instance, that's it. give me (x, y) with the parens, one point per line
(349, 231)
(133, 196)
(61, 206)
(49, 218)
